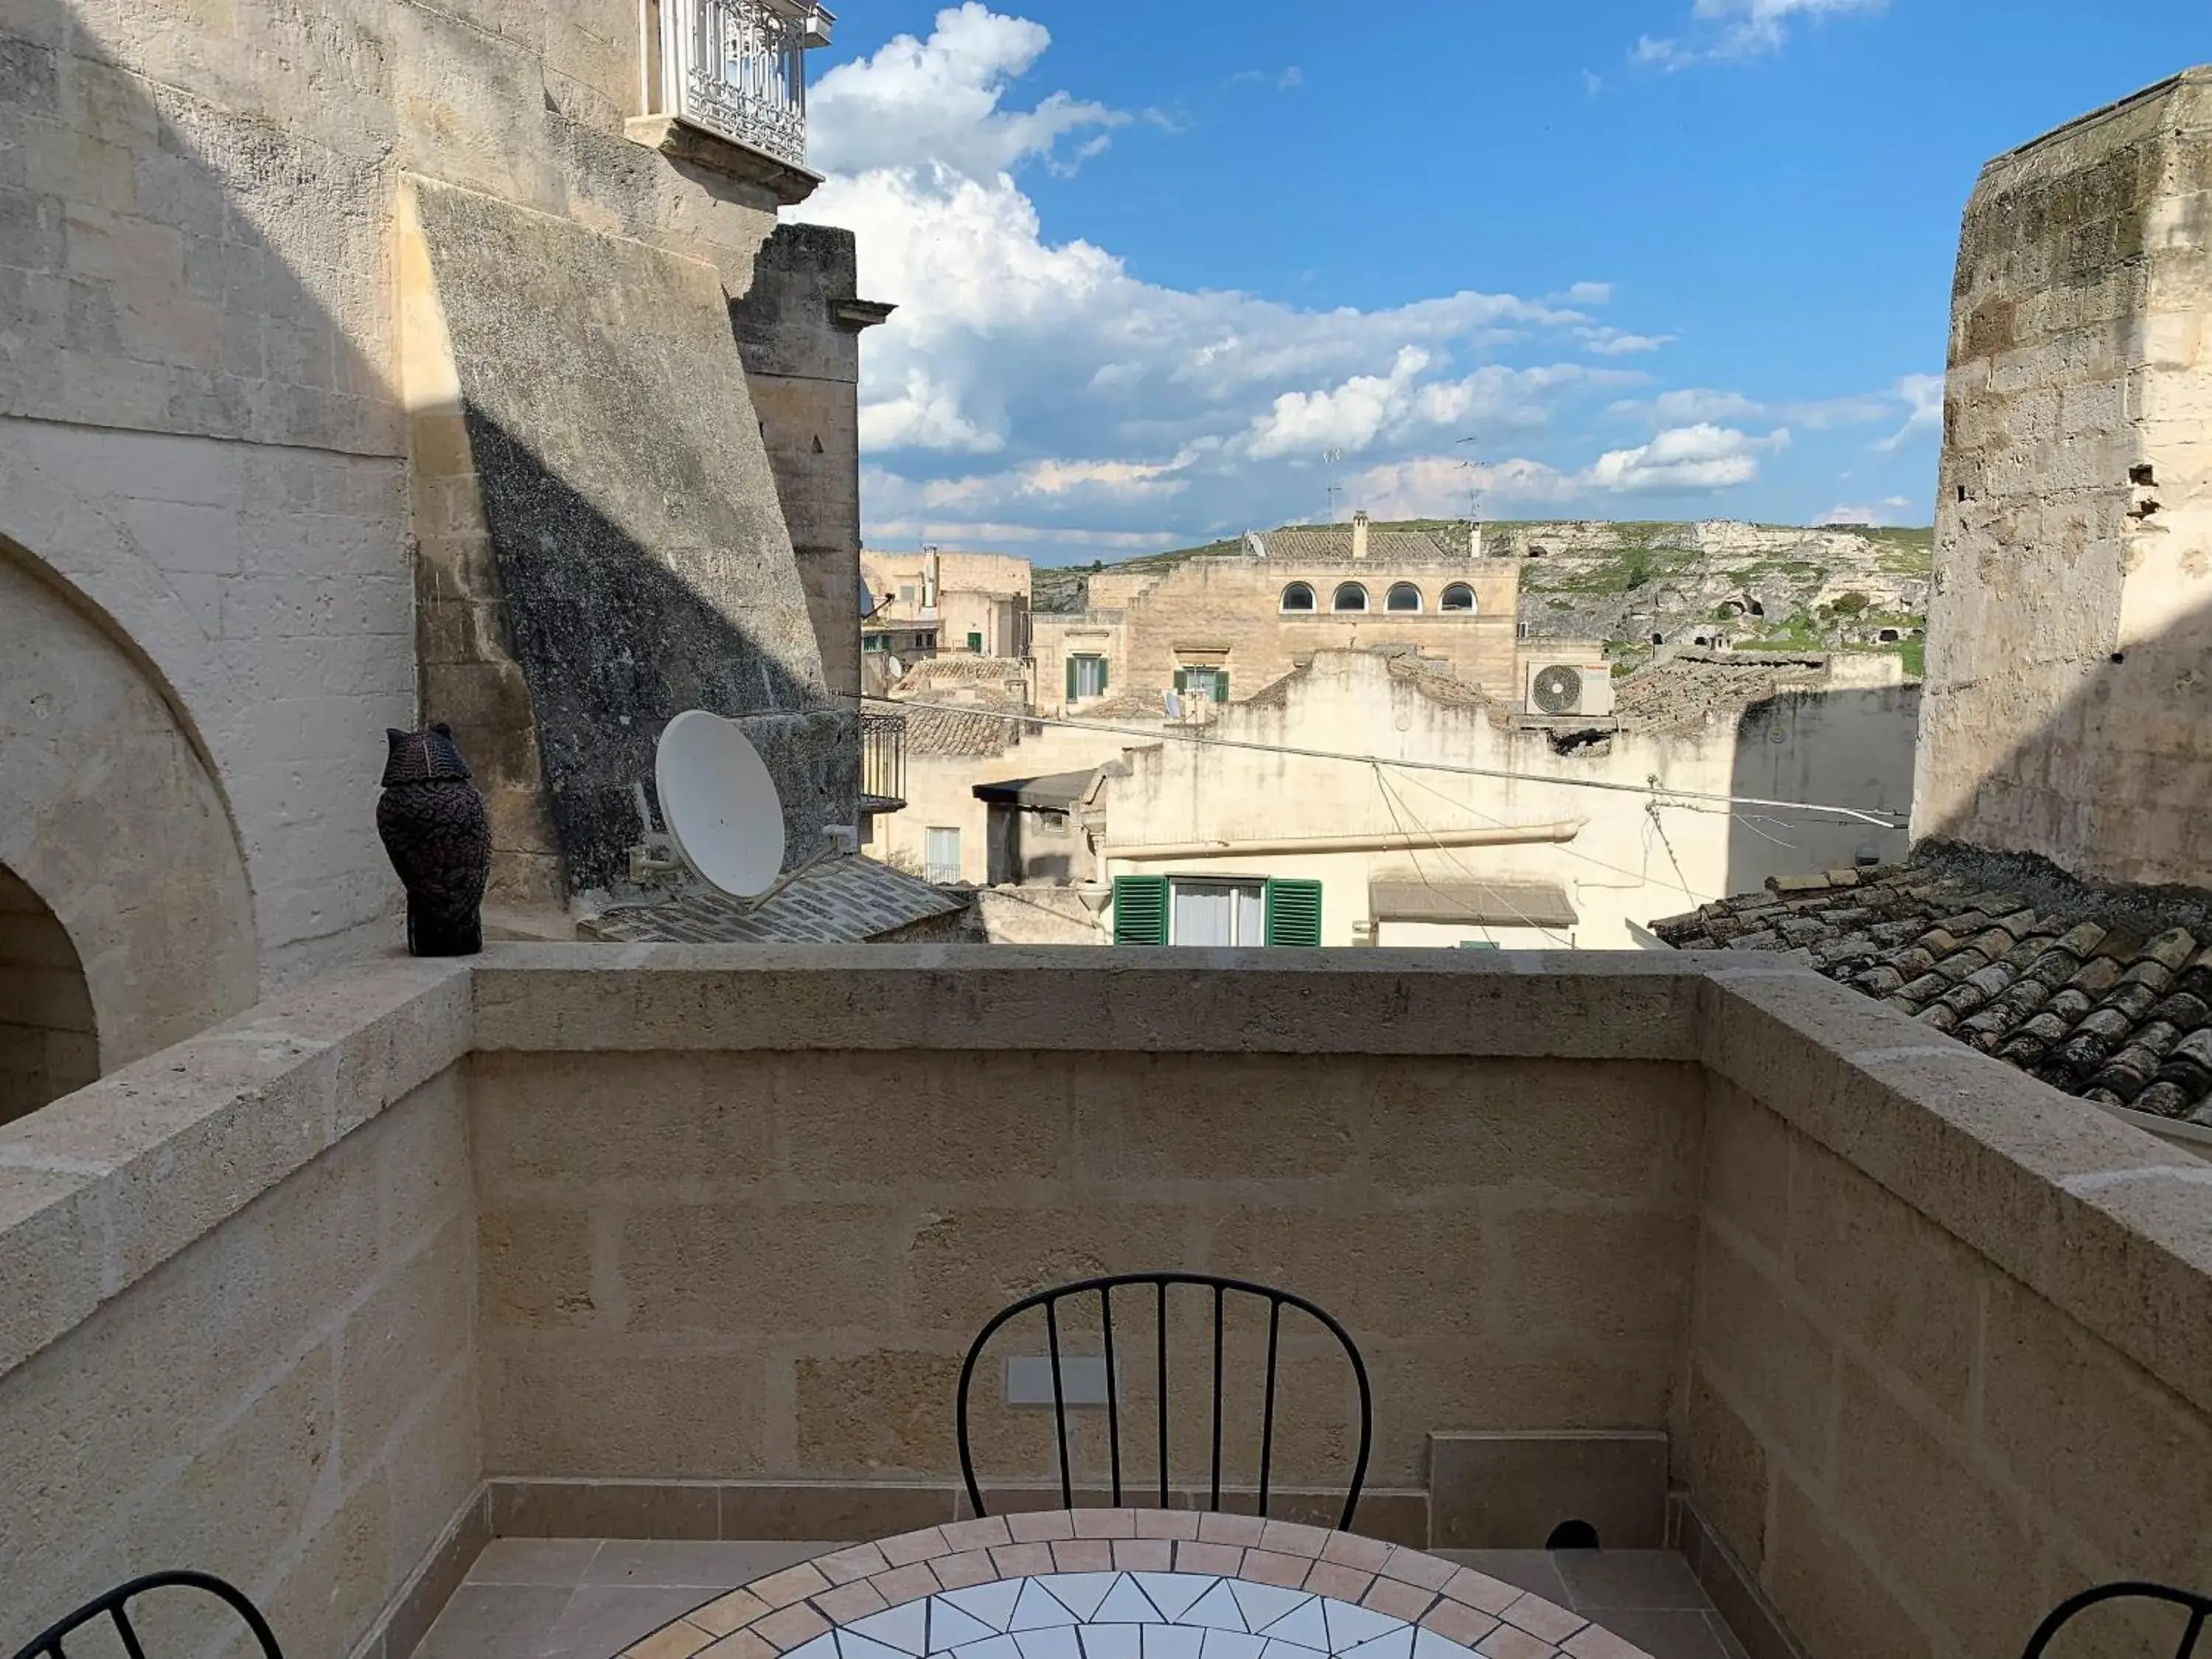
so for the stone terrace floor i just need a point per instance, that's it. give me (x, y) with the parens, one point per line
(586, 1598)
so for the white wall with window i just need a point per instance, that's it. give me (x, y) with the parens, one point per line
(940, 855)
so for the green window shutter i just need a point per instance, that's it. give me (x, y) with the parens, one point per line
(1221, 685)
(1141, 909)
(1183, 679)
(1071, 679)
(1101, 677)
(1294, 913)
(975, 643)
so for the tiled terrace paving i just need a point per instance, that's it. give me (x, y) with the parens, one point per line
(670, 1243)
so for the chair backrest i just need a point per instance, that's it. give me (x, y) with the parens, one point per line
(1103, 1291)
(2199, 1609)
(113, 1606)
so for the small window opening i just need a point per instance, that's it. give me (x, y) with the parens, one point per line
(2143, 473)
(1298, 596)
(1349, 597)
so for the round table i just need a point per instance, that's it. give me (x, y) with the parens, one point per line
(1128, 1584)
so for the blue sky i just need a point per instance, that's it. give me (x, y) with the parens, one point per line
(1657, 258)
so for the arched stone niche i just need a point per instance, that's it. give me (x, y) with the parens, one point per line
(111, 820)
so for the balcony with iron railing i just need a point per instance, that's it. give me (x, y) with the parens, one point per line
(721, 73)
(882, 762)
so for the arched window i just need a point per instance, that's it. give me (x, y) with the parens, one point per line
(1402, 596)
(1350, 597)
(1458, 596)
(1298, 596)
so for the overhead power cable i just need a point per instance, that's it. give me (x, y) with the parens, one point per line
(1880, 817)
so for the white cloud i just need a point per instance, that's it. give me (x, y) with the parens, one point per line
(1593, 84)
(1618, 343)
(941, 98)
(1924, 394)
(1730, 30)
(1029, 382)
(1291, 79)
(1691, 405)
(1890, 509)
(1686, 460)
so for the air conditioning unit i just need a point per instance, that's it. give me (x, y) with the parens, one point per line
(1577, 687)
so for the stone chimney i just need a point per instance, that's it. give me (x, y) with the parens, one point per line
(1359, 534)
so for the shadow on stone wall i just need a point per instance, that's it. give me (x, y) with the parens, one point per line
(642, 558)
(1838, 747)
(2116, 784)
(614, 645)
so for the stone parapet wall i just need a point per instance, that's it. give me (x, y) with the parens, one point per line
(705, 1229)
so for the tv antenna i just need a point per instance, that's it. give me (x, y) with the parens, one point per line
(1473, 482)
(1331, 459)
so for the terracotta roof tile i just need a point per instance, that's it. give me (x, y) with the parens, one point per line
(2116, 1015)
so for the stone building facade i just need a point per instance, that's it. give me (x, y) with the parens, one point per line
(2069, 709)
(1503, 844)
(799, 327)
(1248, 619)
(971, 604)
(354, 375)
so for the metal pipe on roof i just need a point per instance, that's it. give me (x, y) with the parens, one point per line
(1525, 835)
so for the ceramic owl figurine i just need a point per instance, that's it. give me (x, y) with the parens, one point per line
(433, 824)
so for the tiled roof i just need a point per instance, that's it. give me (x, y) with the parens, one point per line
(845, 901)
(960, 731)
(2119, 1014)
(1334, 541)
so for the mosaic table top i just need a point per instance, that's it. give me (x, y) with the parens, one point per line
(1129, 1584)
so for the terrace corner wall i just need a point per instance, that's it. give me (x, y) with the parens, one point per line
(247, 1343)
(1915, 1444)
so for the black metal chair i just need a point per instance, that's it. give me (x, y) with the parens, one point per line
(2199, 1609)
(1103, 1289)
(47, 1644)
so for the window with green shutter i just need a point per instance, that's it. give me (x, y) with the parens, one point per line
(975, 642)
(1141, 909)
(1294, 913)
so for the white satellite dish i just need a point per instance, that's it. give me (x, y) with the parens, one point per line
(719, 804)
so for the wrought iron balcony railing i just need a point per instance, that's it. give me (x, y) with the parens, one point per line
(882, 762)
(737, 67)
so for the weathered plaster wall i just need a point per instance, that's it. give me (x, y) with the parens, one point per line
(1843, 745)
(2067, 712)
(201, 422)
(1619, 866)
(110, 815)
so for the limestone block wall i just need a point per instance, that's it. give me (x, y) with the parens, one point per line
(201, 417)
(239, 1332)
(2066, 715)
(693, 1244)
(1915, 1413)
(773, 1265)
